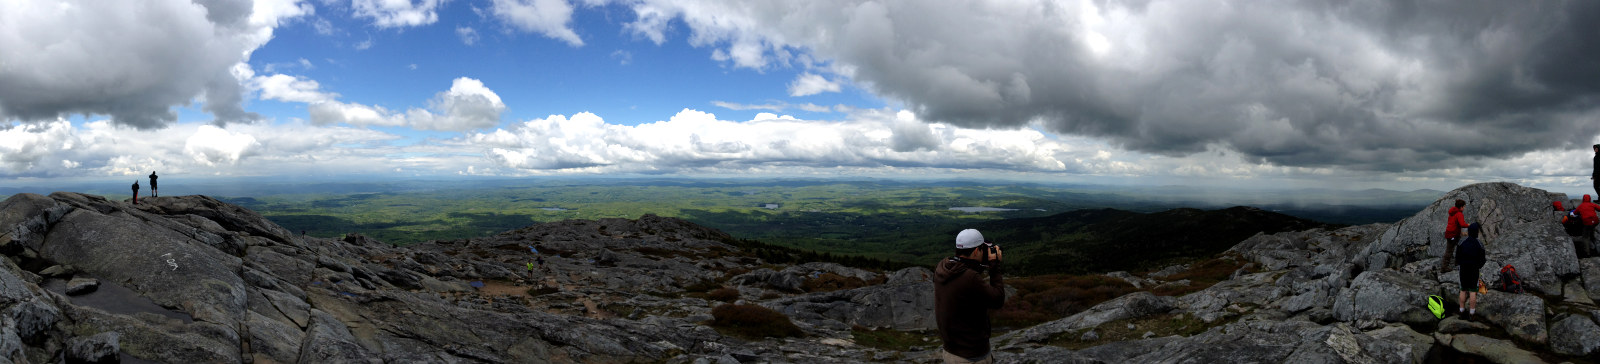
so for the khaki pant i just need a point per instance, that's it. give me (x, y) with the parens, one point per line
(957, 359)
(1449, 253)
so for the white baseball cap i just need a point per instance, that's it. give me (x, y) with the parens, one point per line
(968, 239)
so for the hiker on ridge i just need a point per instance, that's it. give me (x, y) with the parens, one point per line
(153, 184)
(136, 192)
(962, 298)
(1587, 210)
(1471, 257)
(1452, 233)
(1596, 175)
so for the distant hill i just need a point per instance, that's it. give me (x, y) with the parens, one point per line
(1104, 240)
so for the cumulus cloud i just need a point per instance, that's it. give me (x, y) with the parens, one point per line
(211, 146)
(130, 60)
(695, 141)
(546, 17)
(808, 84)
(1380, 86)
(467, 105)
(58, 148)
(398, 13)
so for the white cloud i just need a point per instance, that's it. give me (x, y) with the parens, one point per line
(467, 105)
(211, 146)
(334, 112)
(25, 146)
(547, 17)
(808, 84)
(777, 106)
(694, 141)
(291, 89)
(364, 45)
(397, 13)
(468, 35)
(130, 60)
(101, 148)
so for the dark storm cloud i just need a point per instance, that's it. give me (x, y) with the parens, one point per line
(1366, 85)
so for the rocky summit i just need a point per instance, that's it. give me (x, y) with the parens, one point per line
(190, 279)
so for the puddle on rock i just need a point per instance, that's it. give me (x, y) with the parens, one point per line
(116, 299)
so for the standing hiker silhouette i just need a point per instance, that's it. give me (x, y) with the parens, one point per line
(153, 192)
(136, 192)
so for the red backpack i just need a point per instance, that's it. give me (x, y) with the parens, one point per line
(1509, 280)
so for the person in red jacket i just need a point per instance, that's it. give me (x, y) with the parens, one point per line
(1587, 210)
(1452, 234)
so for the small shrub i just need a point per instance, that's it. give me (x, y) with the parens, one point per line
(735, 272)
(1041, 299)
(752, 322)
(828, 282)
(723, 294)
(887, 339)
(702, 286)
(1201, 275)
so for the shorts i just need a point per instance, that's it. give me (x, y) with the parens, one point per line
(1469, 279)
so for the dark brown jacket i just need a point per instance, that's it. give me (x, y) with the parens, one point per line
(962, 300)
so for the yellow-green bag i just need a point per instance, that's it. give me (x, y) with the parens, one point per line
(1436, 304)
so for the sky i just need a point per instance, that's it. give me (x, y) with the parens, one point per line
(1323, 94)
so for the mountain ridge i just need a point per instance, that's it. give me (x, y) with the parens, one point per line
(192, 279)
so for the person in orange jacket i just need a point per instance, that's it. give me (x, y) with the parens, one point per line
(1452, 234)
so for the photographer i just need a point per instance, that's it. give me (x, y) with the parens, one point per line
(962, 298)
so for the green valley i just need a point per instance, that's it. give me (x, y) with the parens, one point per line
(908, 222)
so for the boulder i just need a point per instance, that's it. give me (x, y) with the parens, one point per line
(900, 307)
(78, 286)
(1317, 297)
(910, 275)
(768, 278)
(1574, 293)
(1453, 325)
(1123, 351)
(99, 348)
(1591, 277)
(273, 340)
(1235, 296)
(1575, 335)
(1044, 355)
(1132, 305)
(1514, 232)
(1498, 351)
(33, 319)
(24, 219)
(58, 271)
(1279, 342)
(228, 216)
(1419, 344)
(167, 267)
(1522, 315)
(1386, 295)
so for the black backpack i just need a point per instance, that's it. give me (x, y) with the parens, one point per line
(1509, 280)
